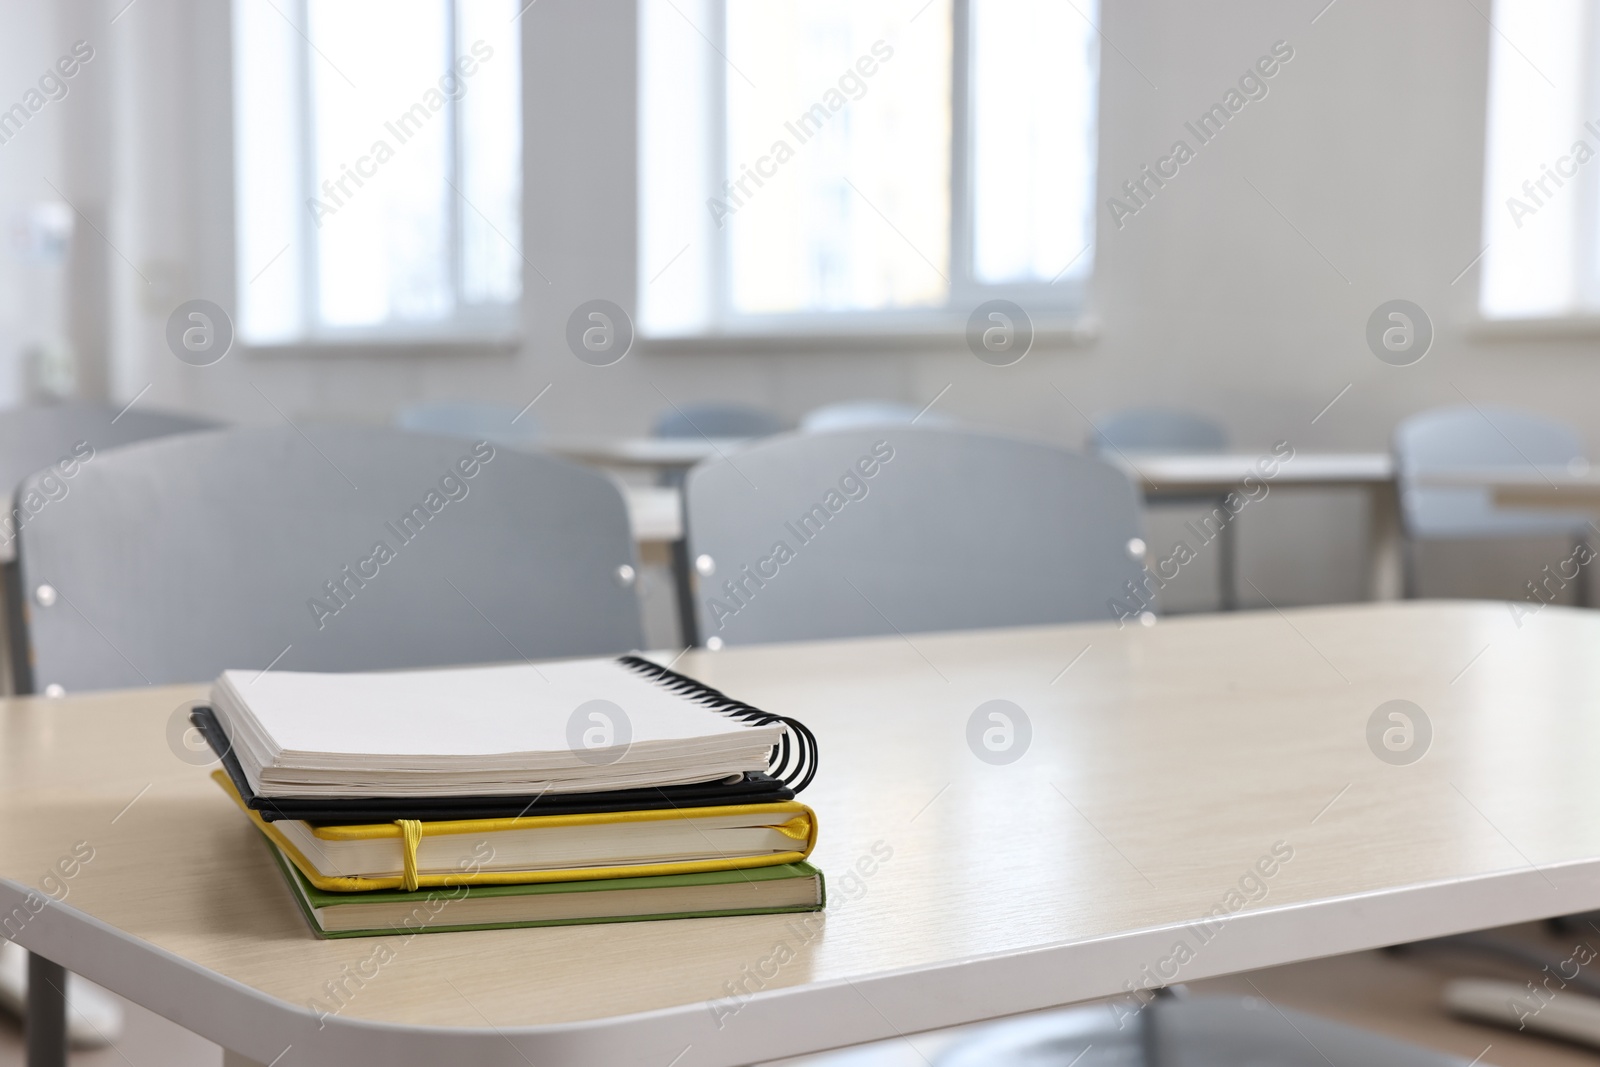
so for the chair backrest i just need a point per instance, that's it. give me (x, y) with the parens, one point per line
(500, 424)
(318, 548)
(32, 438)
(717, 420)
(905, 529)
(1155, 429)
(852, 414)
(1467, 438)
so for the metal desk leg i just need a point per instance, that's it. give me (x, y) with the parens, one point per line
(1228, 564)
(1583, 596)
(1384, 542)
(683, 591)
(47, 1013)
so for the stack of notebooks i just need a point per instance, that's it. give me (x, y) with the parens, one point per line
(475, 798)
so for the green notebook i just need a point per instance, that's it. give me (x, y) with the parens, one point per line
(757, 891)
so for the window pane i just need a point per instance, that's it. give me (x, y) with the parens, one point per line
(489, 42)
(381, 135)
(267, 158)
(678, 244)
(838, 156)
(1035, 67)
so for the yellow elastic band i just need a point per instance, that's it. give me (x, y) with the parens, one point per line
(411, 831)
(798, 828)
(336, 884)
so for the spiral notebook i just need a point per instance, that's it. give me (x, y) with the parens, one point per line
(581, 726)
(749, 789)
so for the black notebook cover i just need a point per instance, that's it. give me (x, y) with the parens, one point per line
(751, 789)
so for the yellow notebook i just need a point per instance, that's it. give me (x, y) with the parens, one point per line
(411, 854)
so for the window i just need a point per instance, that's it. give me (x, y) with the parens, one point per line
(377, 150)
(1541, 212)
(833, 165)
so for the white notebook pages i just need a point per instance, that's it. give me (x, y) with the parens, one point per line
(478, 731)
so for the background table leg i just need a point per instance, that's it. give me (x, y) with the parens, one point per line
(47, 1013)
(1228, 564)
(1384, 543)
(683, 587)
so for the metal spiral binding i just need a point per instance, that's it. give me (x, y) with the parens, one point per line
(794, 759)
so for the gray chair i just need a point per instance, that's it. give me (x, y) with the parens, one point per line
(1150, 430)
(906, 529)
(32, 438)
(853, 414)
(1469, 438)
(703, 421)
(1201, 1031)
(342, 548)
(717, 420)
(1158, 429)
(499, 423)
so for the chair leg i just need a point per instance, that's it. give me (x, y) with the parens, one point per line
(47, 1013)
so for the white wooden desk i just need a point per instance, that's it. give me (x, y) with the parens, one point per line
(1180, 476)
(1164, 764)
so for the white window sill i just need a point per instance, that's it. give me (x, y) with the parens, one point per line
(1533, 329)
(940, 335)
(441, 347)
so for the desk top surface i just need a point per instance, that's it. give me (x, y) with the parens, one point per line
(656, 512)
(1575, 486)
(663, 453)
(1167, 768)
(1181, 471)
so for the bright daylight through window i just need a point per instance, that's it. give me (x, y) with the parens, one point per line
(1541, 212)
(843, 166)
(378, 170)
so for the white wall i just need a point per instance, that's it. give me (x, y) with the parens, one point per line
(32, 288)
(1369, 144)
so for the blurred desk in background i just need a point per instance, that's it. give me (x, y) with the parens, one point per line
(650, 453)
(1186, 476)
(656, 512)
(1539, 488)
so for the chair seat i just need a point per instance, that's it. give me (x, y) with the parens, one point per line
(1184, 1032)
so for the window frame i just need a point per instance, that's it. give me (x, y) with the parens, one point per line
(1059, 309)
(1580, 317)
(473, 328)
